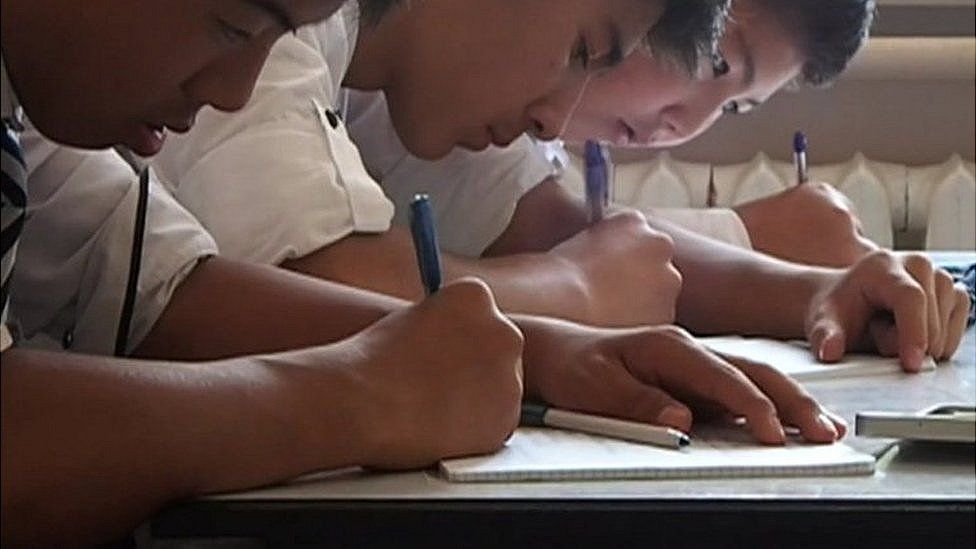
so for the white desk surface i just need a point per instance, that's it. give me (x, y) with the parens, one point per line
(918, 472)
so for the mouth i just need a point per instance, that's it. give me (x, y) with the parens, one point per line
(500, 140)
(182, 125)
(147, 139)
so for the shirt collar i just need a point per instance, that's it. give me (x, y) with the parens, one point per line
(12, 112)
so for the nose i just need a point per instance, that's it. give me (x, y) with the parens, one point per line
(227, 83)
(549, 115)
(680, 123)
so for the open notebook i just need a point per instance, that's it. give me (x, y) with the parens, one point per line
(795, 359)
(549, 454)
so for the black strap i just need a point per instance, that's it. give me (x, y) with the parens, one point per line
(135, 264)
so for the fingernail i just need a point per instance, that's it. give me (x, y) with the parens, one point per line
(828, 425)
(914, 358)
(777, 426)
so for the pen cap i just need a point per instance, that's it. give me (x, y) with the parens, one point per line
(594, 154)
(533, 414)
(799, 142)
(597, 176)
(425, 242)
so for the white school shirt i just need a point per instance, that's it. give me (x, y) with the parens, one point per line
(474, 194)
(280, 178)
(276, 181)
(73, 259)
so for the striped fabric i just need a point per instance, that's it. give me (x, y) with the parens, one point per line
(12, 208)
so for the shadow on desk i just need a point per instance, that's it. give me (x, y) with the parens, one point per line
(577, 524)
(935, 454)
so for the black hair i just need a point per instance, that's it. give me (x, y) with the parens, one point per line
(688, 32)
(830, 33)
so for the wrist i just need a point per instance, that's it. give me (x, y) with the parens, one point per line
(577, 299)
(318, 401)
(810, 286)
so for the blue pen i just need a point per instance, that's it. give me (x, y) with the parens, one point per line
(597, 179)
(800, 157)
(425, 242)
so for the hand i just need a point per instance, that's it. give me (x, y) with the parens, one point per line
(660, 375)
(894, 303)
(813, 223)
(443, 378)
(627, 271)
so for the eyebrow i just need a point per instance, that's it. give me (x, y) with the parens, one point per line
(276, 11)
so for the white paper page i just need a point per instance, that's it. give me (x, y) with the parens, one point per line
(795, 359)
(551, 454)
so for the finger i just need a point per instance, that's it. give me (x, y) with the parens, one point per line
(702, 375)
(957, 323)
(827, 339)
(885, 336)
(619, 394)
(945, 293)
(906, 300)
(920, 268)
(795, 405)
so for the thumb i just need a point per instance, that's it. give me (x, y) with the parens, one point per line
(828, 341)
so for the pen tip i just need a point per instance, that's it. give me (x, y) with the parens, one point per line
(799, 142)
(683, 441)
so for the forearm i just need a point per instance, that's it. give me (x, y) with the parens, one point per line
(536, 283)
(227, 308)
(544, 217)
(729, 289)
(92, 446)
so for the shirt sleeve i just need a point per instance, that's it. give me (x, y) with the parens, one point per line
(73, 263)
(474, 194)
(280, 178)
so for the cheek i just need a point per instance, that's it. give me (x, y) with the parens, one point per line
(424, 131)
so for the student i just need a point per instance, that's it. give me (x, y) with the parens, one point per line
(615, 271)
(649, 104)
(92, 445)
(205, 318)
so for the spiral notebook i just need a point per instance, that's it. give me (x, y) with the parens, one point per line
(540, 454)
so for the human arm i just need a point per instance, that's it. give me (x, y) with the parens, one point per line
(661, 375)
(231, 308)
(893, 303)
(726, 289)
(584, 279)
(782, 225)
(91, 446)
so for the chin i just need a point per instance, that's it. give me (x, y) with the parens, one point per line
(70, 135)
(425, 149)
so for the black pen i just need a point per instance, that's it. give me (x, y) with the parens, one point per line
(800, 157)
(424, 232)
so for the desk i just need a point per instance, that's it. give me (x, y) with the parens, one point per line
(924, 496)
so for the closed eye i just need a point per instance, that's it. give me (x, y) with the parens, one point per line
(232, 33)
(740, 107)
